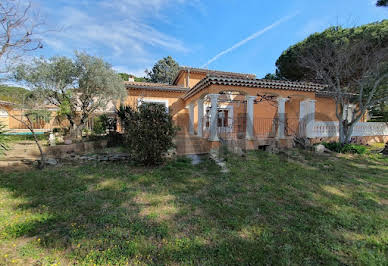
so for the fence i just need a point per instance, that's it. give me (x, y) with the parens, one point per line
(319, 129)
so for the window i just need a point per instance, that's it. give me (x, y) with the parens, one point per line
(3, 113)
(157, 101)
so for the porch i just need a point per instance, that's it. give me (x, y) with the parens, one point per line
(237, 119)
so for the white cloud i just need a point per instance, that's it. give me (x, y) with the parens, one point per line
(115, 29)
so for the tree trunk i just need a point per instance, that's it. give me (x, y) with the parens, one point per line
(29, 125)
(385, 150)
(345, 131)
(42, 163)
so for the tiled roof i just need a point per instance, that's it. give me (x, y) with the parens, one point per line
(254, 83)
(6, 103)
(212, 72)
(154, 86)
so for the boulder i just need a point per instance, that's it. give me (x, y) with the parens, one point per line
(51, 161)
(320, 148)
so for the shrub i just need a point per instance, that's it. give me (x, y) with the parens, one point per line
(149, 132)
(98, 126)
(345, 148)
(103, 123)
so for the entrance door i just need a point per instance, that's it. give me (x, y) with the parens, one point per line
(224, 119)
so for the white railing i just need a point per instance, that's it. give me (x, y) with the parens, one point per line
(319, 129)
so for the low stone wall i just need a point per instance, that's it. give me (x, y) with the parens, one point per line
(61, 151)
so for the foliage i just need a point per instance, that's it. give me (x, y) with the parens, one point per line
(382, 3)
(78, 86)
(272, 76)
(164, 71)
(352, 63)
(98, 126)
(126, 76)
(3, 139)
(268, 210)
(287, 64)
(13, 94)
(345, 148)
(149, 132)
(103, 123)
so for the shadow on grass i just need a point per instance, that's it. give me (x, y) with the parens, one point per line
(266, 210)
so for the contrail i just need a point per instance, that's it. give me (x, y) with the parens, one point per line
(253, 36)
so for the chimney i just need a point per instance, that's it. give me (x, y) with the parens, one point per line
(131, 79)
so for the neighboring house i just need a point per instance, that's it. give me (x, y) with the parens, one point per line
(212, 106)
(9, 111)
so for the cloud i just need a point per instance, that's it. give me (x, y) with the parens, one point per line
(116, 29)
(249, 38)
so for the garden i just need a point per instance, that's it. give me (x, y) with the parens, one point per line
(295, 207)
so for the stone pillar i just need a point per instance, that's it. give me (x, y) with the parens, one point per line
(213, 117)
(191, 118)
(200, 117)
(282, 117)
(249, 128)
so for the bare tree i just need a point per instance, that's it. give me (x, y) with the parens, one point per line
(355, 72)
(18, 31)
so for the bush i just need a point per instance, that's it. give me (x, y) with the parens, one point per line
(149, 132)
(103, 123)
(98, 126)
(345, 148)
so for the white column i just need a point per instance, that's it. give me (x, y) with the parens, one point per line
(200, 117)
(213, 117)
(191, 118)
(249, 129)
(307, 116)
(282, 116)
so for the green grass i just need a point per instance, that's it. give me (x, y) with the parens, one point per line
(296, 209)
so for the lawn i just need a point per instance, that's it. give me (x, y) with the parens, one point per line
(269, 209)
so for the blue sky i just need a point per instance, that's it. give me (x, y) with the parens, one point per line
(133, 34)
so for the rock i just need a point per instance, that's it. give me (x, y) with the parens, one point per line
(51, 161)
(319, 148)
(68, 141)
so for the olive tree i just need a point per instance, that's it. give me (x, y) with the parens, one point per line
(78, 86)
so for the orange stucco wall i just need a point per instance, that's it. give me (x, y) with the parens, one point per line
(325, 109)
(12, 123)
(264, 112)
(194, 78)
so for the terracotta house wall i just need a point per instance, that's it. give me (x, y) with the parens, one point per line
(325, 109)
(194, 78)
(264, 112)
(15, 124)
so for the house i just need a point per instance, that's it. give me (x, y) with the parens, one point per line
(211, 107)
(11, 114)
